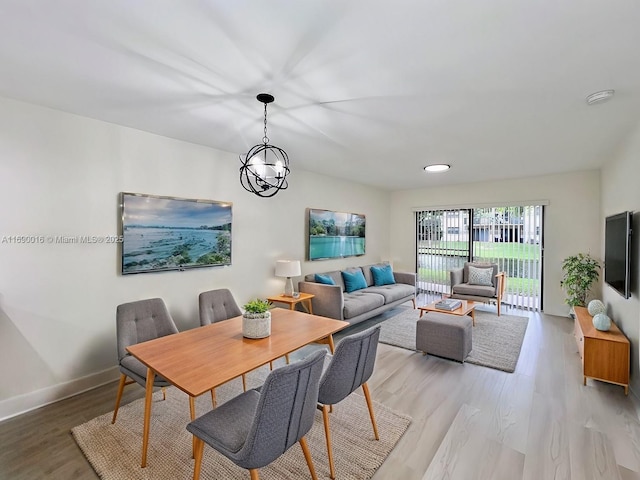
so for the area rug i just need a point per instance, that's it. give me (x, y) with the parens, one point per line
(496, 340)
(114, 450)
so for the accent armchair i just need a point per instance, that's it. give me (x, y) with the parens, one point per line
(480, 282)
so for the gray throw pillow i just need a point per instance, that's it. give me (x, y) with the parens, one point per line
(480, 276)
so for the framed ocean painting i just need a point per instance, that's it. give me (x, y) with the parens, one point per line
(335, 234)
(169, 233)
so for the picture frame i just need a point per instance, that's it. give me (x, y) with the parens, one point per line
(161, 233)
(335, 234)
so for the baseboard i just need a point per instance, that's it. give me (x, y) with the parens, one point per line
(30, 401)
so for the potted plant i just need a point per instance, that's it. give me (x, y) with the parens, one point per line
(580, 272)
(256, 319)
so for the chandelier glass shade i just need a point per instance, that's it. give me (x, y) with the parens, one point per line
(265, 167)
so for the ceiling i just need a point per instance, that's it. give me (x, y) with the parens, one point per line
(366, 90)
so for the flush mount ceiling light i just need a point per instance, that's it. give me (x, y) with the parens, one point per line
(265, 167)
(437, 167)
(600, 97)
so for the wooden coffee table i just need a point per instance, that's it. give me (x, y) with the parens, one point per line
(467, 308)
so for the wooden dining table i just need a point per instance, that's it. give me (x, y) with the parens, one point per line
(198, 360)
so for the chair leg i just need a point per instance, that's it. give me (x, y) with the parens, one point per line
(254, 474)
(123, 379)
(413, 300)
(199, 447)
(214, 403)
(244, 383)
(365, 389)
(286, 356)
(164, 393)
(307, 457)
(327, 435)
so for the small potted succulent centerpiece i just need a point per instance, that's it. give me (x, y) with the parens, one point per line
(256, 319)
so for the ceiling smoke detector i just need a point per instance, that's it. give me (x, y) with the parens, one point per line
(600, 97)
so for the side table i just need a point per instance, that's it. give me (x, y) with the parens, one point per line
(303, 298)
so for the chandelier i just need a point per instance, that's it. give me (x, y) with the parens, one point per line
(265, 167)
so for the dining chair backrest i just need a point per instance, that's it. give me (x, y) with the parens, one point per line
(351, 366)
(140, 321)
(217, 305)
(285, 411)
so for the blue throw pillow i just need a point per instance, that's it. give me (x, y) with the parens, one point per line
(382, 275)
(354, 280)
(324, 279)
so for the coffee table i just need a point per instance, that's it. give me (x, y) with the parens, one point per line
(467, 308)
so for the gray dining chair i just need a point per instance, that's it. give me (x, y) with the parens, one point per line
(256, 427)
(216, 306)
(350, 367)
(138, 322)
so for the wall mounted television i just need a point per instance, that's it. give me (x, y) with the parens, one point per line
(335, 234)
(168, 233)
(617, 252)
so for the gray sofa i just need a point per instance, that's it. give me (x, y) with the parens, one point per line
(334, 302)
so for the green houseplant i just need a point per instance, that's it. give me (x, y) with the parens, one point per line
(579, 273)
(256, 319)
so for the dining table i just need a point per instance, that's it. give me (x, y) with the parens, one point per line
(200, 359)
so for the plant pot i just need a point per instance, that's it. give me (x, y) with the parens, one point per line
(256, 325)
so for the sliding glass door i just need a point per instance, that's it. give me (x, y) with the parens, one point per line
(509, 236)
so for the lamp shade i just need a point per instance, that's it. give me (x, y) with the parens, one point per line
(287, 268)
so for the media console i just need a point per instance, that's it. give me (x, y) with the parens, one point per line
(605, 355)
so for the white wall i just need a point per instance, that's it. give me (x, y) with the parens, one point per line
(60, 174)
(620, 192)
(572, 219)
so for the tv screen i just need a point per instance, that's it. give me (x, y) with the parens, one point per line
(168, 233)
(617, 251)
(335, 234)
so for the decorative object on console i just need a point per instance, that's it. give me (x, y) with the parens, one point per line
(288, 268)
(265, 167)
(335, 234)
(256, 319)
(595, 307)
(168, 233)
(602, 322)
(579, 273)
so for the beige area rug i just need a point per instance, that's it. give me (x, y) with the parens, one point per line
(496, 340)
(114, 450)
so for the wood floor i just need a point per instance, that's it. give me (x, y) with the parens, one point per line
(469, 422)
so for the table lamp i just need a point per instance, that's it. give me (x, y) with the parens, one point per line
(288, 268)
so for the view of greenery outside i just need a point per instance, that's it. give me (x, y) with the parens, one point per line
(507, 253)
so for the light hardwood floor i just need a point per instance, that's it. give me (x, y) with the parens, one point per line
(469, 422)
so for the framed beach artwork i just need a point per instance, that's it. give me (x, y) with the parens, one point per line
(335, 234)
(168, 233)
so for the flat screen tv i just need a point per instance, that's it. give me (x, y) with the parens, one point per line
(168, 233)
(335, 234)
(617, 253)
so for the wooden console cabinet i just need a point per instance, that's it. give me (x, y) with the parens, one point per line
(605, 355)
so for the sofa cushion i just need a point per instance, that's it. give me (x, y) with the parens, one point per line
(368, 276)
(335, 275)
(480, 276)
(382, 275)
(476, 290)
(324, 279)
(358, 302)
(394, 292)
(353, 280)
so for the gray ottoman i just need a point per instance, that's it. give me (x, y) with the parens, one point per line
(444, 335)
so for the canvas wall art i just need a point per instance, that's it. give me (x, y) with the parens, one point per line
(335, 234)
(168, 233)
